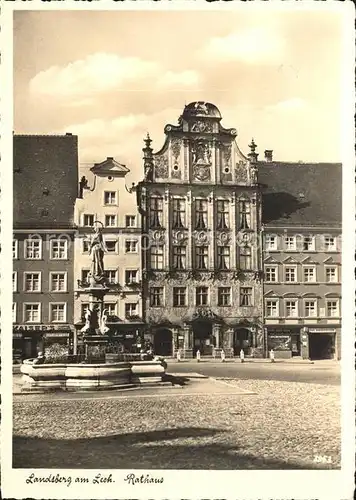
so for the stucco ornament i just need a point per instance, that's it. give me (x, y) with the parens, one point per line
(161, 166)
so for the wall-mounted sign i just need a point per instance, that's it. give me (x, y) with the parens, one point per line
(41, 328)
(322, 330)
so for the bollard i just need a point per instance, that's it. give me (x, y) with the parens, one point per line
(198, 355)
(222, 356)
(178, 355)
(242, 356)
(271, 355)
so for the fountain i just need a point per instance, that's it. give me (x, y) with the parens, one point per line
(94, 373)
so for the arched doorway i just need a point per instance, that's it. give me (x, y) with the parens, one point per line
(163, 342)
(242, 340)
(202, 337)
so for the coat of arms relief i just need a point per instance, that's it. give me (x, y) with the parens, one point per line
(201, 160)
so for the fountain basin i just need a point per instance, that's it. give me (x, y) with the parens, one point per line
(77, 377)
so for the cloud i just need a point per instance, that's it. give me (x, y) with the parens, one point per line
(253, 46)
(104, 72)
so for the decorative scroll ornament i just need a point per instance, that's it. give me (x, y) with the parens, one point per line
(179, 237)
(176, 147)
(241, 172)
(158, 237)
(161, 166)
(200, 237)
(205, 313)
(223, 238)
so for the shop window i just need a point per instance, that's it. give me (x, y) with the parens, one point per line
(156, 296)
(179, 296)
(245, 296)
(224, 296)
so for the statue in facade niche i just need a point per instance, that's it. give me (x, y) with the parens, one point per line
(97, 249)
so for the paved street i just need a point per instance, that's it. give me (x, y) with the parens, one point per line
(248, 417)
(322, 372)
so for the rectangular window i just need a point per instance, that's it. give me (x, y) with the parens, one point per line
(271, 242)
(224, 296)
(222, 219)
(110, 220)
(332, 308)
(330, 243)
(32, 282)
(85, 246)
(59, 249)
(131, 246)
(272, 309)
(156, 212)
(33, 249)
(291, 308)
(245, 257)
(223, 257)
(201, 296)
(290, 274)
(201, 257)
(110, 308)
(179, 257)
(88, 220)
(58, 282)
(14, 249)
(157, 257)
(58, 313)
(245, 296)
(156, 296)
(244, 214)
(85, 275)
(331, 274)
(290, 243)
(178, 213)
(179, 296)
(110, 198)
(131, 276)
(308, 243)
(111, 246)
(201, 214)
(14, 312)
(111, 275)
(271, 274)
(310, 310)
(32, 313)
(309, 274)
(14, 282)
(130, 220)
(130, 309)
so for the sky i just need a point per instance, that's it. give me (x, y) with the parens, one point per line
(111, 77)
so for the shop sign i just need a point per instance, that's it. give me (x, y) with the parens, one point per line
(17, 335)
(56, 334)
(322, 330)
(41, 328)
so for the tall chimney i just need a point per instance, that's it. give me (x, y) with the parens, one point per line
(269, 154)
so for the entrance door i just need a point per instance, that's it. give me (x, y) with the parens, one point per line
(321, 346)
(202, 336)
(163, 342)
(241, 341)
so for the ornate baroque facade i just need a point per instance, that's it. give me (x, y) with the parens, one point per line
(201, 215)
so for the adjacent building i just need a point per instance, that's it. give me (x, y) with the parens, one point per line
(200, 204)
(104, 199)
(302, 257)
(45, 179)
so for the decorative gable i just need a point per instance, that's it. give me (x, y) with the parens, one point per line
(270, 260)
(110, 167)
(271, 293)
(290, 260)
(309, 260)
(330, 260)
